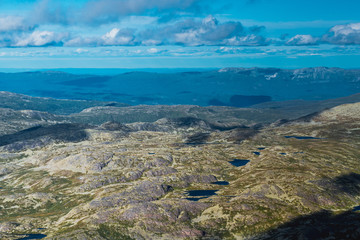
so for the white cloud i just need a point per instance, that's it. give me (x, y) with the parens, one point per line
(248, 40)
(13, 23)
(153, 50)
(190, 37)
(301, 40)
(118, 37)
(209, 31)
(38, 38)
(346, 34)
(188, 32)
(81, 50)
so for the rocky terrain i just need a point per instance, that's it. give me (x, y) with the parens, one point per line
(100, 174)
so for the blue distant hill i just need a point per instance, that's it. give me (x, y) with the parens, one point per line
(238, 87)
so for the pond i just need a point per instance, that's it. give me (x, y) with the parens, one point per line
(357, 208)
(256, 153)
(261, 148)
(222, 183)
(302, 137)
(196, 195)
(239, 162)
(32, 236)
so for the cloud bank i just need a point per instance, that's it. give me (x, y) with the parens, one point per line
(189, 32)
(15, 32)
(176, 23)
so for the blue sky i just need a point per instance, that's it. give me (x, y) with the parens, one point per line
(179, 33)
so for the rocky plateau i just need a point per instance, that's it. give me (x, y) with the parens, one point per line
(151, 172)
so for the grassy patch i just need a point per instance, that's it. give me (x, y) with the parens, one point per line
(113, 233)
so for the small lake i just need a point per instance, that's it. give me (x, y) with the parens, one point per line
(32, 236)
(196, 195)
(239, 162)
(302, 137)
(357, 208)
(256, 153)
(283, 154)
(221, 183)
(261, 148)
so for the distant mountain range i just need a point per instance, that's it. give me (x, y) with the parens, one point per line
(239, 87)
(18, 112)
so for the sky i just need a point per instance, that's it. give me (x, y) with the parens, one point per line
(46, 34)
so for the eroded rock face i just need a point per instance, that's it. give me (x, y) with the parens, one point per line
(346, 112)
(40, 136)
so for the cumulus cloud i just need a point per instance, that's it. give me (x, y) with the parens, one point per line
(248, 40)
(189, 32)
(302, 40)
(347, 34)
(118, 37)
(32, 39)
(209, 31)
(81, 51)
(14, 23)
(115, 37)
(39, 38)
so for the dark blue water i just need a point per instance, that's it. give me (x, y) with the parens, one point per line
(256, 153)
(32, 236)
(302, 137)
(261, 148)
(201, 193)
(151, 153)
(357, 208)
(283, 154)
(239, 162)
(222, 183)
